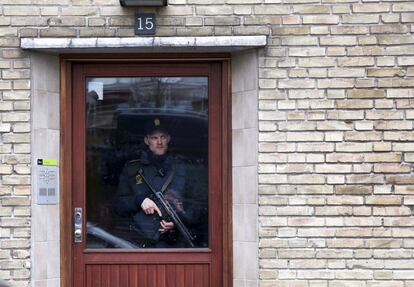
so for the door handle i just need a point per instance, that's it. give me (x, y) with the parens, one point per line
(77, 225)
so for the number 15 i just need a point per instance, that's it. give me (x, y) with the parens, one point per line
(149, 23)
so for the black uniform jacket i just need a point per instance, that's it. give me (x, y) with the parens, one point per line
(132, 189)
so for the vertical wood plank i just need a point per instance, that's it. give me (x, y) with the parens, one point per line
(88, 276)
(133, 275)
(123, 275)
(170, 275)
(152, 275)
(105, 276)
(188, 275)
(198, 275)
(206, 275)
(142, 275)
(114, 275)
(161, 275)
(179, 273)
(96, 275)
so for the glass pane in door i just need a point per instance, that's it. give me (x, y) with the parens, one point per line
(147, 162)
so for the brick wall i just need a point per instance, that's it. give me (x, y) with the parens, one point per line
(15, 138)
(336, 141)
(335, 128)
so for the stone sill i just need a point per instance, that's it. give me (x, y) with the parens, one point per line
(144, 44)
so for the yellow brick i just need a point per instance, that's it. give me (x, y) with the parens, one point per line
(285, 84)
(242, 10)
(311, 9)
(360, 19)
(16, 117)
(338, 41)
(14, 201)
(365, 83)
(213, 10)
(317, 62)
(271, 10)
(9, 42)
(392, 168)
(367, 40)
(8, 32)
(96, 22)
(321, 20)
(370, 8)
(21, 84)
(363, 93)
(335, 83)
(383, 200)
(402, 7)
(343, 30)
(28, 32)
(355, 62)
(27, 10)
(194, 21)
(306, 179)
(353, 189)
(291, 20)
(346, 73)
(363, 136)
(383, 157)
(290, 31)
(300, 41)
(389, 29)
(394, 39)
(15, 243)
(97, 32)
(58, 32)
(366, 51)
(365, 179)
(80, 11)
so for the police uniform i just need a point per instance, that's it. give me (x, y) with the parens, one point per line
(163, 172)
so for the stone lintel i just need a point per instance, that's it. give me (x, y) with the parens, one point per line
(144, 44)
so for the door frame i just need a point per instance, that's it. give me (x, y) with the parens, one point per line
(66, 206)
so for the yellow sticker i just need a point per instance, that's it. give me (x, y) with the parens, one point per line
(157, 122)
(138, 179)
(50, 162)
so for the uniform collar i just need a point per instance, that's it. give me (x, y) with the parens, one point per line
(147, 157)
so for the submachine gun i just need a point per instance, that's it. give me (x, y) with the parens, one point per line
(171, 214)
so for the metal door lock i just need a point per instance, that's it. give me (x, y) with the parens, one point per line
(77, 225)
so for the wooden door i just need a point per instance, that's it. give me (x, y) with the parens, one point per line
(110, 103)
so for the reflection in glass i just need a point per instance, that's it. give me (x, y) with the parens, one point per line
(120, 113)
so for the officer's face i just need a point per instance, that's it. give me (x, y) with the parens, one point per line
(158, 142)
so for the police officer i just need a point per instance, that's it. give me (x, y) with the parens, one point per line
(134, 198)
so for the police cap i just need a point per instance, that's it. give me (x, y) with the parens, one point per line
(156, 124)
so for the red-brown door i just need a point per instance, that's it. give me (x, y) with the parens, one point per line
(111, 103)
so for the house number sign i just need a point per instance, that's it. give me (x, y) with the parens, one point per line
(145, 24)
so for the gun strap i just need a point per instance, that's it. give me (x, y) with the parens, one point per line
(169, 179)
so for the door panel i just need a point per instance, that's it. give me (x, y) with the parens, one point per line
(157, 275)
(94, 131)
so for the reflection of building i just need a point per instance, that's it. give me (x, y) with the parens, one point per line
(188, 94)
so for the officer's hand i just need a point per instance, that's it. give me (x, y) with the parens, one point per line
(149, 206)
(166, 226)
